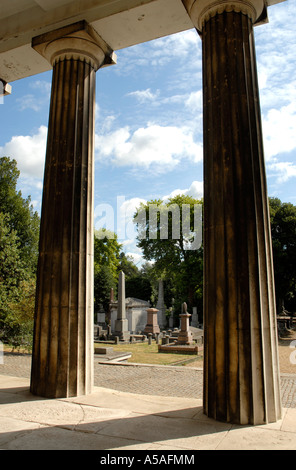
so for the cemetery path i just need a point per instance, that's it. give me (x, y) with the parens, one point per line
(171, 381)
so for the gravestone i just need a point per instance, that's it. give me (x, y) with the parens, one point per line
(184, 344)
(194, 319)
(101, 316)
(185, 335)
(171, 318)
(152, 322)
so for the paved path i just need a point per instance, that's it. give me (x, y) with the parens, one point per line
(145, 379)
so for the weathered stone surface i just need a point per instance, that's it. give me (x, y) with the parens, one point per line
(241, 374)
(103, 350)
(121, 323)
(161, 318)
(179, 348)
(62, 363)
(152, 321)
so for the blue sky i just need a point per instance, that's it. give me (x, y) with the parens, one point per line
(148, 139)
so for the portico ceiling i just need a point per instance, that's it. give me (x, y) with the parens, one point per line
(121, 23)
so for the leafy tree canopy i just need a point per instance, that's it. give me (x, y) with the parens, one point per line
(19, 237)
(283, 233)
(106, 266)
(22, 218)
(127, 265)
(169, 235)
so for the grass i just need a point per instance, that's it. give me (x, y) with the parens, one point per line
(143, 353)
(9, 348)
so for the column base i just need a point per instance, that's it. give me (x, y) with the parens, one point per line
(121, 329)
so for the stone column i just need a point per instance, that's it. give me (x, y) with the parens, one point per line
(241, 372)
(194, 319)
(62, 360)
(160, 305)
(121, 323)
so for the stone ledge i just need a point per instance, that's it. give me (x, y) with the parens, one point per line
(103, 350)
(180, 348)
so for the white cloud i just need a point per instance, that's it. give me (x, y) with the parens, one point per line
(137, 258)
(157, 148)
(176, 45)
(194, 101)
(161, 52)
(43, 86)
(119, 220)
(29, 101)
(127, 210)
(34, 101)
(283, 171)
(195, 190)
(275, 50)
(29, 152)
(144, 95)
(279, 131)
(129, 207)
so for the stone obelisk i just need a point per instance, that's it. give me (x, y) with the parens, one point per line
(160, 305)
(121, 324)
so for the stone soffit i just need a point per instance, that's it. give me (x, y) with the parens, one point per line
(121, 23)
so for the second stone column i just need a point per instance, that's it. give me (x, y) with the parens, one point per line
(241, 371)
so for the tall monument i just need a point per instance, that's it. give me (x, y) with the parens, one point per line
(160, 305)
(121, 324)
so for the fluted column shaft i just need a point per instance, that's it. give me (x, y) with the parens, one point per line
(241, 376)
(62, 362)
(241, 372)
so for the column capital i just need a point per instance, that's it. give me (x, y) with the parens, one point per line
(201, 11)
(76, 41)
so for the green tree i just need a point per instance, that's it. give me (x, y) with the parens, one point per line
(19, 236)
(136, 285)
(106, 266)
(17, 289)
(127, 265)
(12, 268)
(283, 233)
(22, 218)
(167, 235)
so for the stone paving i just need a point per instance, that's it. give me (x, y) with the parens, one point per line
(171, 381)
